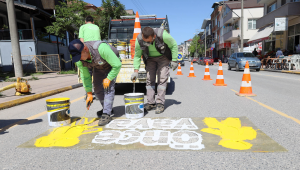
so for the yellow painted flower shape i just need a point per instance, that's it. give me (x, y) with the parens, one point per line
(231, 132)
(67, 136)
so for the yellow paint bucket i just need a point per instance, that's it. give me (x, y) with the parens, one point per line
(58, 111)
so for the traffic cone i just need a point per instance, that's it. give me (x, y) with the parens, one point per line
(206, 74)
(179, 70)
(220, 78)
(136, 32)
(192, 74)
(246, 88)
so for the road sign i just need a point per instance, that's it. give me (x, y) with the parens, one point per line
(180, 56)
(212, 48)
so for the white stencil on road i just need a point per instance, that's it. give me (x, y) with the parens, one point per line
(148, 123)
(188, 140)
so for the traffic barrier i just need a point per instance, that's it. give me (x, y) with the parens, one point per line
(179, 70)
(192, 73)
(220, 78)
(246, 88)
(136, 32)
(206, 73)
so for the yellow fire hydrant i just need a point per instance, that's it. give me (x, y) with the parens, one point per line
(22, 87)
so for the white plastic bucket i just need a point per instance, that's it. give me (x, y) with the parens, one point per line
(134, 105)
(58, 111)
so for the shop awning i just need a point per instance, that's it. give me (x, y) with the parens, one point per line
(261, 34)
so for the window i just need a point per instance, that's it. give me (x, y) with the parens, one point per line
(283, 2)
(251, 24)
(216, 22)
(295, 0)
(272, 7)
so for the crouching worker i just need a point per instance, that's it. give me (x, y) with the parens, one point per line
(105, 62)
(159, 49)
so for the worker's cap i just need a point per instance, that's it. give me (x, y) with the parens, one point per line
(75, 48)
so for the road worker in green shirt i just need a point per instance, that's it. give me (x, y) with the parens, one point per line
(158, 48)
(104, 60)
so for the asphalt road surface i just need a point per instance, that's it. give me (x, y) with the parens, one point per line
(275, 111)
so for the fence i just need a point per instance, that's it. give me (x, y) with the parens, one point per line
(41, 63)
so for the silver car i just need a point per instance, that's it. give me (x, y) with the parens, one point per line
(238, 61)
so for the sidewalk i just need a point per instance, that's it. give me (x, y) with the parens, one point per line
(282, 71)
(51, 83)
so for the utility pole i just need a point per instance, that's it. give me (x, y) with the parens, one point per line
(205, 44)
(14, 38)
(242, 27)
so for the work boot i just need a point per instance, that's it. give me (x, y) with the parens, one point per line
(99, 113)
(104, 120)
(149, 107)
(159, 108)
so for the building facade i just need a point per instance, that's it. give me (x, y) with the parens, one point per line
(279, 27)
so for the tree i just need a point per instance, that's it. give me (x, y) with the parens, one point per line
(110, 9)
(68, 17)
(200, 47)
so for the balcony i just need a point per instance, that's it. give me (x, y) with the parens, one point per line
(231, 35)
(289, 9)
(230, 18)
(262, 1)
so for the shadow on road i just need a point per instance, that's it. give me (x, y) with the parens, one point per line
(8, 123)
(170, 102)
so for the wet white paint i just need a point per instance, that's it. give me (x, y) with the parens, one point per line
(188, 140)
(148, 123)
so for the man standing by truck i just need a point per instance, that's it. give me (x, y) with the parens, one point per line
(103, 59)
(89, 32)
(158, 48)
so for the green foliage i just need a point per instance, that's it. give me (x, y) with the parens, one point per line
(200, 47)
(109, 9)
(33, 78)
(69, 17)
(4, 26)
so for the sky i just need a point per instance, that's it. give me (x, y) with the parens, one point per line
(185, 16)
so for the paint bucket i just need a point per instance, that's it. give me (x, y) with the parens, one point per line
(134, 105)
(58, 111)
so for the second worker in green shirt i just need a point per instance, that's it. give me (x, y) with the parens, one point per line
(158, 48)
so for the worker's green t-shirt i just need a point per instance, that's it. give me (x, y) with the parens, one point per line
(89, 32)
(110, 57)
(167, 38)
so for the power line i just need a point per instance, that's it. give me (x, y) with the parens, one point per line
(138, 7)
(143, 7)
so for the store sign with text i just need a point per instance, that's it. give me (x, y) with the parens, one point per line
(281, 24)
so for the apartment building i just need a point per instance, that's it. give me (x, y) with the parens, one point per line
(279, 27)
(230, 25)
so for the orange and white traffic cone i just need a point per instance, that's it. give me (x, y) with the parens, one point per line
(220, 78)
(192, 73)
(179, 70)
(246, 88)
(206, 74)
(136, 32)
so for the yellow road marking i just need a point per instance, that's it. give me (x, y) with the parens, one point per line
(32, 117)
(272, 109)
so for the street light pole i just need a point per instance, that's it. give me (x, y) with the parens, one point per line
(242, 26)
(205, 44)
(14, 38)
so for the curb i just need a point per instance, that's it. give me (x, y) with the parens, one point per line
(15, 102)
(283, 71)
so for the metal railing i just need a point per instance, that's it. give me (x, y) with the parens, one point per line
(41, 63)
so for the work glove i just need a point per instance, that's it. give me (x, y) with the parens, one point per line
(89, 100)
(106, 83)
(134, 76)
(174, 65)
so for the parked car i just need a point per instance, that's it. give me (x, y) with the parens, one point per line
(194, 60)
(209, 60)
(181, 62)
(199, 60)
(190, 59)
(238, 61)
